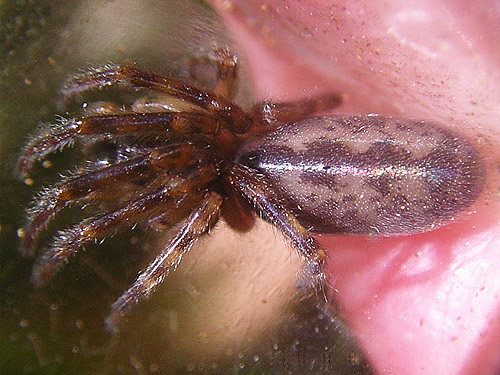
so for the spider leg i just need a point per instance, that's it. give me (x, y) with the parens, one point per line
(291, 111)
(226, 64)
(260, 193)
(165, 198)
(201, 221)
(100, 182)
(232, 115)
(102, 108)
(57, 136)
(225, 85)
(158, 102)
(227, 74)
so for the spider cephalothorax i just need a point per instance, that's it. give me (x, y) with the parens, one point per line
(198, 156)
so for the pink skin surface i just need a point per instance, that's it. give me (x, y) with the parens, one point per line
(421, 304)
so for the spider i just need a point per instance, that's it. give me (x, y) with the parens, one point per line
(197, 157)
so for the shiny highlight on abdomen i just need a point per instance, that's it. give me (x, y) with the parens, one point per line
(368, 174)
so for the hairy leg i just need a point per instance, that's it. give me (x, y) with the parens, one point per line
(201, 221)
(260, 194)
(56, 136)
(99, 182)
(165, 198)
(230, 114)
(225, 85)
(283, 112)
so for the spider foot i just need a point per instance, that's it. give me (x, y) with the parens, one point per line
(311, 279)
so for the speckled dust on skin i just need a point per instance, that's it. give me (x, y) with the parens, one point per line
(406, 59)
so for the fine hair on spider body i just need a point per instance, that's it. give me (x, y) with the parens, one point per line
(201, 157)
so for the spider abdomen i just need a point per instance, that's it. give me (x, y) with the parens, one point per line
(368, 174)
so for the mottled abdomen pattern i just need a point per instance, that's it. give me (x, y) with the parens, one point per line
(368, 174)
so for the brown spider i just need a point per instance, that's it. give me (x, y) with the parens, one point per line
(200, 157)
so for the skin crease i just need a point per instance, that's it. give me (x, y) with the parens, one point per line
(421, 304)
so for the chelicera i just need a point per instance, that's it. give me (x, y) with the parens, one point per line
(197, 157)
